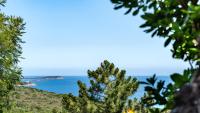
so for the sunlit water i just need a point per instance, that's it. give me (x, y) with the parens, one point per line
(69, 84)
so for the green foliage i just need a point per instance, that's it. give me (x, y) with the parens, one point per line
(109, 92)
(159, 93)
(176, 21)
(11, 29)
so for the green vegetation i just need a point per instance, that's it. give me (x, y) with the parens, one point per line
(30, 100)
(109, 92)
(11, 29)
(178, 22)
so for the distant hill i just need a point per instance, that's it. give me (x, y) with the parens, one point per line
(30, 100)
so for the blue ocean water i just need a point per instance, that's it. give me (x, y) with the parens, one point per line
(69, 84)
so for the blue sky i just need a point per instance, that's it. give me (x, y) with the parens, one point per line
(67, 37)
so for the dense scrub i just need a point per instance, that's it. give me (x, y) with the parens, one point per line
(30, 100)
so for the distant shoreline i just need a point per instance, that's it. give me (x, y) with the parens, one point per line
(54, 77)
(26, 84)
(44, 77)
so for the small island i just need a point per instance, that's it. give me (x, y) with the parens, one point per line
(52, 77)
(44, 77)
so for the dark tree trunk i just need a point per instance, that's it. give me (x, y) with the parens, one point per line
(187, 100)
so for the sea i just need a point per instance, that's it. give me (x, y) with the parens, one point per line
(69, 84)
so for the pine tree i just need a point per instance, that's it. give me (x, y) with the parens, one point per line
(109, 92)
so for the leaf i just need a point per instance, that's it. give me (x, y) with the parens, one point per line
(118, 7)
(147, 16)
(152, 80)
(194, 49)
(141, 82)
(154, 33)
(160, 85)
(168, 41)
(176, 77)
(149, 30)
(128, 11)
(136, 12)
(144, 25)
(149, 89)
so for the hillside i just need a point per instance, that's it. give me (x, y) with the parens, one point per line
(30, 100)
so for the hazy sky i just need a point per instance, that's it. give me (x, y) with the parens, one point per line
(67, 37)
